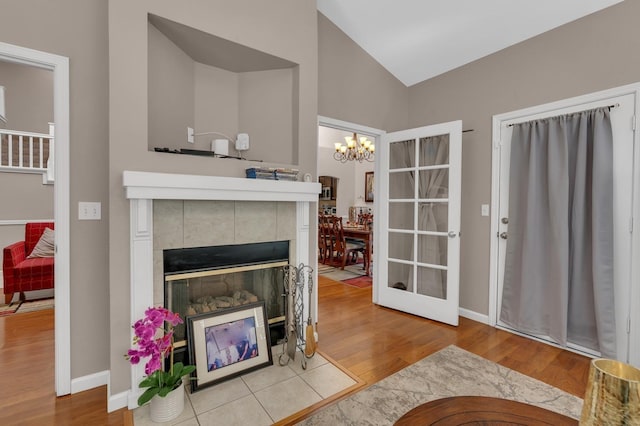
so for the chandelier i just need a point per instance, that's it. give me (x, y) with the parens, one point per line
(355, 149)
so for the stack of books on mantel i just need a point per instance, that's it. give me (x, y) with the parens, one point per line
(272, 173)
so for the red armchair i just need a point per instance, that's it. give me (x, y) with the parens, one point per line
(21, 273)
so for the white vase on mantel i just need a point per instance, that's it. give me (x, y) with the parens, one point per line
(167, 408)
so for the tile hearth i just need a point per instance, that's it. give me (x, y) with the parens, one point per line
(262, 397)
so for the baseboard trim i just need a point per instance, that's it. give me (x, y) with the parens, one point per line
(117, 401)
(474, 315)
(90, 381)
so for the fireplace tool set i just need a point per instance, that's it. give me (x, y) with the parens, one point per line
(294, 340)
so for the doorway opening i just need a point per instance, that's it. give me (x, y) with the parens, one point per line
(59, 66)
(345, 196)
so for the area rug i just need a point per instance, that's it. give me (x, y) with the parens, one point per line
(35, 305)
(324, 269)
(9, 309)
(360, 282)
(26, 306)
(337, 274)
(449, 372)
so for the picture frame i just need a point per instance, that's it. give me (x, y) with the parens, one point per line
(226, 343)
(368, 187)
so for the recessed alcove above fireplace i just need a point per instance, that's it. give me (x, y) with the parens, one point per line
(169, 211)
(197, 79)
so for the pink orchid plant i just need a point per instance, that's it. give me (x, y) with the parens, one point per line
(155, 342)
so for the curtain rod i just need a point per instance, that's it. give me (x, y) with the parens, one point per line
(608, 106)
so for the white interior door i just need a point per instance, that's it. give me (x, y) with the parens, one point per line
(419, 249)
(623, 141)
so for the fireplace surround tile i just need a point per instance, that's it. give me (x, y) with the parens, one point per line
(158, 278)
(168, 219)
(208, 223)
(255, 221)
(286, 219)
(200, 223)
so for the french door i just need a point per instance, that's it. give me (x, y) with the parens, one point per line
(419, 247)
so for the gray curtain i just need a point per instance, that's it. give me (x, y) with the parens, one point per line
(432, 217)
(401, 185)
(558, 279)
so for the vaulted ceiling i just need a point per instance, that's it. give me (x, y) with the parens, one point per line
(419, 39)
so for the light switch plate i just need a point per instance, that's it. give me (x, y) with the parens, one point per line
(89, 210)
(484, 210)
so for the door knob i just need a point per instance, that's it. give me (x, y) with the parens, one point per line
(503, 235)
(504, 220)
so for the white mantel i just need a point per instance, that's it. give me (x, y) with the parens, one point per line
(144, 187)
(167, 186)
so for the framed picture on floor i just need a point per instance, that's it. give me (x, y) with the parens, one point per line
(227, 343)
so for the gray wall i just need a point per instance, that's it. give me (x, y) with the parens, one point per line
(594, 53)
(25, 197)
(284, 28)
(28, 97)
(216, 108)
(78, 30)
(353, 87)
(171, 83)
(265, 113)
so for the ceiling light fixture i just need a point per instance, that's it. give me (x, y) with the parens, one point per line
(355, 149)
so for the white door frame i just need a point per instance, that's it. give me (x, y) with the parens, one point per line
(60, 67)
(498, 121)
(377, 135)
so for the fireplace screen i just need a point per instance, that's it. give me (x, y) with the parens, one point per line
(206, 279)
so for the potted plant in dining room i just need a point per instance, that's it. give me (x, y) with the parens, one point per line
(154, 340)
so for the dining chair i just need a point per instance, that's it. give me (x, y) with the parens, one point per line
(344, 249)
(325, 238)
(366, 220)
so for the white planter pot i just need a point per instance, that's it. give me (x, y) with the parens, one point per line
(169, 407)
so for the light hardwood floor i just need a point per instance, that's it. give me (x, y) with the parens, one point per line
(370, 341)
(27, 381)
(374, 342)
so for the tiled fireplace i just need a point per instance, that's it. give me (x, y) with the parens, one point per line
(172, 212)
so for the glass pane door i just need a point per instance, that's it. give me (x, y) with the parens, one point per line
(423, 175)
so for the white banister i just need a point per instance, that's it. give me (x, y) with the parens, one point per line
(34, 161)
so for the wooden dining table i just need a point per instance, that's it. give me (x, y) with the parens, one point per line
(366, 235)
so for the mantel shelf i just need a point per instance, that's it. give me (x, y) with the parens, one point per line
(168, 186)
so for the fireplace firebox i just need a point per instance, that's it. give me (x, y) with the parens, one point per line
(205, 279)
